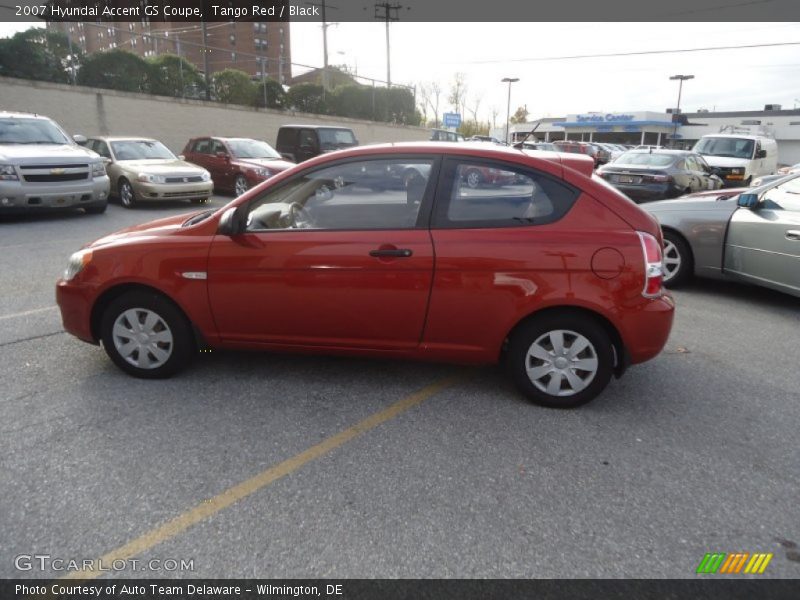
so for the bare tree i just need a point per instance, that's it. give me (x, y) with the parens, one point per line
(422, 94)
(458, 92)
(475, 105)
(495, 112)
(434, 93)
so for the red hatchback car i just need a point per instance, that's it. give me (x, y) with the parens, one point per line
(558, 274)
(235, 164)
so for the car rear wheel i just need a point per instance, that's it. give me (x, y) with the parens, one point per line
(240, 185)
(127, 196)
(146, 335)
(677, 260)
(473, 178)
(561, 360)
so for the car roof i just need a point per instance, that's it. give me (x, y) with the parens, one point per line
(122, 138)
(6, 114)
(661, 151)
(314, 127)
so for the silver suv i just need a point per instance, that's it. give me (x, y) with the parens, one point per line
(42, 168)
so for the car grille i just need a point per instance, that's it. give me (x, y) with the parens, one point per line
(184, 194)
(189, 179)
(54, 173)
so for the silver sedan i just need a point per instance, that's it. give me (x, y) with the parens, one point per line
(752, 237)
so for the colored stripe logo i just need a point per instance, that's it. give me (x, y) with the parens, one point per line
(734, 563)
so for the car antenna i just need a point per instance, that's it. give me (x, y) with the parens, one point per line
(519, 144)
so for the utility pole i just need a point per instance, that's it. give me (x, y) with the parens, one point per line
(681, 79)
(205, 61)
(388, 14)
(323, 7)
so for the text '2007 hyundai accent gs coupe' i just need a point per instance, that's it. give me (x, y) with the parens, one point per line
(553, 271)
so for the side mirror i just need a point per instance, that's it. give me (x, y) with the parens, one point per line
(747, 201)
(228, 224)
(714, 170)
(106, 160)
(79, 139)
(223, 155)
(761, 154)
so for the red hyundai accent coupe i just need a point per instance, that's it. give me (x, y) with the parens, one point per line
(557, 274)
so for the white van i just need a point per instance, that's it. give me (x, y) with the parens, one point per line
(738, 158)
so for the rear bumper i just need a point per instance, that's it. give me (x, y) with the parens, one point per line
(647, 191)
(645, 332)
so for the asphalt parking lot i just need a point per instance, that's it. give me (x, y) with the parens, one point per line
(258, 465)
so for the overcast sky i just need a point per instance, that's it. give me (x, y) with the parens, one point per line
(732, 79)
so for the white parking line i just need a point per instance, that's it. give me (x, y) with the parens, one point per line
(27, 312)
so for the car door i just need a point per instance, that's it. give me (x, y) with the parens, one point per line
(694, 174)
(220, 159)
(763, 243)
(325, 260)
(200, 154)
(307, 145)
(497, 247)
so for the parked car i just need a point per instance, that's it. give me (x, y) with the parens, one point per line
(445, 135)
(484, 138)
(789, 169)
(297, 143)
(545, 146)
(739, 157)
(752, 237)
(579, 148)
(657, 174)
(42, 168)
(235, 164)
(144, 170)
(559, 277)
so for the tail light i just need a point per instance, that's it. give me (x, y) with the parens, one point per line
(653, 265)
(661, 177)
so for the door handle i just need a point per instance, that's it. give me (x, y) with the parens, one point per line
(394, 252)
(793, 234)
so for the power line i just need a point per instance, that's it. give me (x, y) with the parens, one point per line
(616, 54)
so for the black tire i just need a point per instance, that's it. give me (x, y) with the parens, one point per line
(675, 247)
(473, 178)
(96, 209)
(572, 325)
(180, 350)
(125, 193)
(240, 185)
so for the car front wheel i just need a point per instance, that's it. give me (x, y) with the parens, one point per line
(146, 335)
(126, 194)
(677, 260)
(561, 360)
(240, 185)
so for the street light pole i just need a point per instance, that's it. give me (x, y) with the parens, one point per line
(681, 79)
(509, 81)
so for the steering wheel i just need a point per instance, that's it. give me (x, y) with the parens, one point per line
(299, 217)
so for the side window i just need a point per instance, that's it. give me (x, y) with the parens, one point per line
(101, 148)
(489, 194)
(307, 138)
(202, 146)
(691, 165)
(367, 194)
(217, 146)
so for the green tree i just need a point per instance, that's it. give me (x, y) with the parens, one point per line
(355, 101)
(115, 70)
(307, 97)
(233, 86)
(275, 95)
(171, 75)
(39, 54)
(521, 116)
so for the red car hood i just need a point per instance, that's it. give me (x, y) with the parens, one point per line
(275, 164)
(151, 229)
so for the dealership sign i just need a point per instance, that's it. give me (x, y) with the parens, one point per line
(609, 118)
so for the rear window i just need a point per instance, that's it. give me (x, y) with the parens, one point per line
(335, 138)
(646, 159)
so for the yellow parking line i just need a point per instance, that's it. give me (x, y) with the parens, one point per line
(233, 494)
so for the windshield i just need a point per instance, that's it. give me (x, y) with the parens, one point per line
(645, 158)
(724, 146)
(31, 131)
(336, 138)
(252, 149)
(141, 150)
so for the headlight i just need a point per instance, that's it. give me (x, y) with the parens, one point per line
(8, 173)
(76, 263)
(98, 169)
(206, 176)
(263, 172)
(737, 171)
(150, 178)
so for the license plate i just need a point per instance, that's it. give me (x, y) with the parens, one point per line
(626, 179)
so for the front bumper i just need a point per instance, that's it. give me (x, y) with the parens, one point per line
(25, 195)
(173, 191)
(75, 302)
